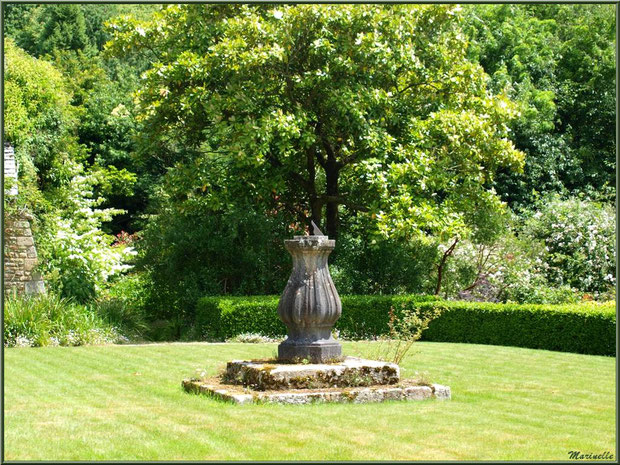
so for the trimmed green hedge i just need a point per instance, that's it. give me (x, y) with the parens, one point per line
(584, 328)
(362, 317)
(225, 317)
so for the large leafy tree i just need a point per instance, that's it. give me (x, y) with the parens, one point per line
(357, 108)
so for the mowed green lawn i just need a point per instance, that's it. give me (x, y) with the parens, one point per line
(126, 402)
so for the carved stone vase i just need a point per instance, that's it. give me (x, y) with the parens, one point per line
(310, 304)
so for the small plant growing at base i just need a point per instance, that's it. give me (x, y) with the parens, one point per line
(252, 338)
(406, 327)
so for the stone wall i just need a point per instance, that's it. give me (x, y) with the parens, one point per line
(20, 257)
(20, 254)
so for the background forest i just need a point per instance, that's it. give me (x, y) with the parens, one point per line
(167, 151)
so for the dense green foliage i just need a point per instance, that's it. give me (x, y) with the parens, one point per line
(40, 122)
(340, 105)
(439, 144)
(298, 145)
(96, 92)
(558, 63)
(49, 320)
(588, 328)
(221, 318)
(55, 182)
(582, 328)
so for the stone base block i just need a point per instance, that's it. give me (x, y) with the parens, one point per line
(315, 352)
(351, 395)
(350, 372)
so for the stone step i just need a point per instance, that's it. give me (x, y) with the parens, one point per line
(356, 395)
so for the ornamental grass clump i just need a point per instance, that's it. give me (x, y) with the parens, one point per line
(49, 320)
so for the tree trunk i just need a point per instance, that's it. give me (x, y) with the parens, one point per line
(442, 263)
(331, 173)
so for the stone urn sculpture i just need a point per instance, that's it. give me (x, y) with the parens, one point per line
(310, 304)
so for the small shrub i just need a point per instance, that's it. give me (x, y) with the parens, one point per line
(406, 327)
(173, 329)
(123, 305)
(121, 314)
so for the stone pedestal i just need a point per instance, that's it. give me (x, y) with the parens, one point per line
(310, 304)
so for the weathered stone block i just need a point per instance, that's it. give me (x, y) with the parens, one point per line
(29, 264)
(351, 371)
(441, 392)
(34, 287)
(418, 392)
(317, 351)
(25, 241)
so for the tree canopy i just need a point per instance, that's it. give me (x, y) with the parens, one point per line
(324, 107)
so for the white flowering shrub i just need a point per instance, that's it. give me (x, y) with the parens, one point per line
(579, 236)
(509, 269)
(562, 252)
(78, 257)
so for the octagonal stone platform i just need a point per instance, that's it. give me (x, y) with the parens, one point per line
(352, 380)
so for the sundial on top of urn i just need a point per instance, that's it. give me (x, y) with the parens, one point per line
(315, 229)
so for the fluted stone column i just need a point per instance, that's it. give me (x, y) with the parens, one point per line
(310, 304)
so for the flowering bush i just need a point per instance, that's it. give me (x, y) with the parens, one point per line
(123, 238)
(562, 252)
(77, 255)
(511, 269)
(579, 237)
